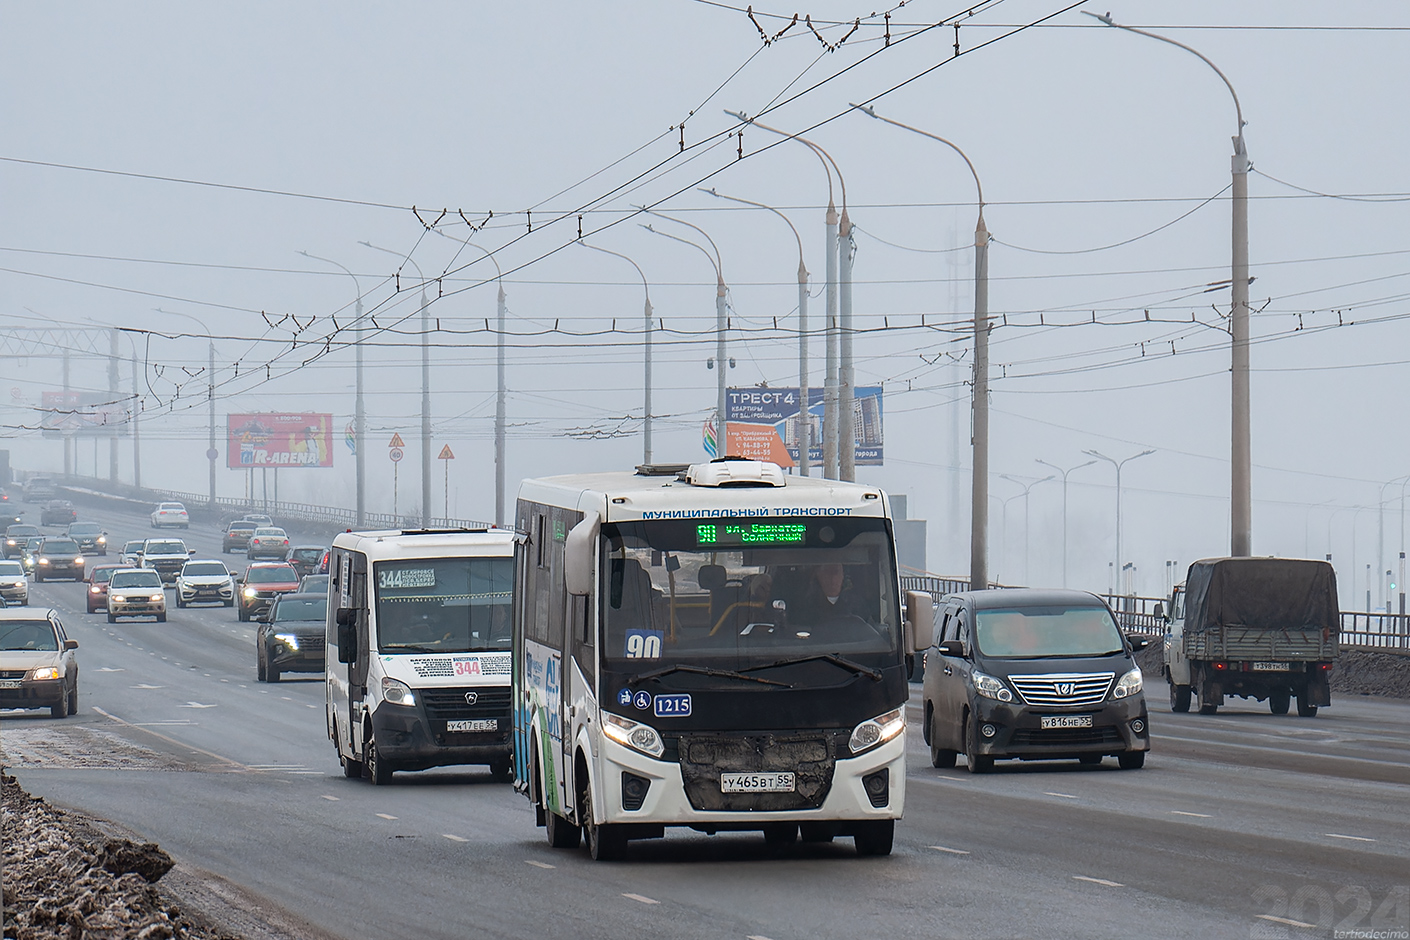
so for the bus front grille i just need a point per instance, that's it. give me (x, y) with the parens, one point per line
(808, 756)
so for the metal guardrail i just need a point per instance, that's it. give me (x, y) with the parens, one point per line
(335, 516)
(1134, 614)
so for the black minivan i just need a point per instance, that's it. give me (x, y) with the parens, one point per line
(1033, 675)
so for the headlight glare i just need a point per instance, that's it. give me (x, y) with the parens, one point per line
(249, 592)
(990, 687)
(632, 734)
(157, 597)
(397, 693)
(288, 639)
(1128, 685)
(45, 672)
(879, 730)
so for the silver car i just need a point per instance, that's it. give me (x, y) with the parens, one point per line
(14, 586)
(205, 581)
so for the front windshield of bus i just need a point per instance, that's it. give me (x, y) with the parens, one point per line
(1039, 632)
(444, 605)
(746, 593)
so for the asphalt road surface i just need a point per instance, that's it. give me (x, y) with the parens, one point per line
(1241, 824)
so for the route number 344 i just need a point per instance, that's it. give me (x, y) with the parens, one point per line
(1351, 912)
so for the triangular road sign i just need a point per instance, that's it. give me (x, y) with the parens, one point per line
(445, 454)
(396, 441)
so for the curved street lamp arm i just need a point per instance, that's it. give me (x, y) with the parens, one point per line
(818, 151)
(749, 202)
(685, 241)
(719, 264)
(870, 111)
(645, 286)
(399, 254)
(1238, 109)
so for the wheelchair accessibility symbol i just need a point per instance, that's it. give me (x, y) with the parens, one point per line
(642, 700)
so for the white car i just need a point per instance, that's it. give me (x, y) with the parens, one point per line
(205, 581)
(14, 586)
(170, 514)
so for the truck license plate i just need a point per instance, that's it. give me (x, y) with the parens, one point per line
(757, 783)
(483, 724)
(1065, 721)
(1271, 667)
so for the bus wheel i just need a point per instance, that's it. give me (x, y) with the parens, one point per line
(874, 838)
(378, 770)
(605, 843)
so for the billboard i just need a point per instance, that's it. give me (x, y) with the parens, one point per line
(85, 414)
(277, 439)
(766, 423)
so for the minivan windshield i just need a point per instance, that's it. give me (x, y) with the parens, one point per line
(1038, 632)
(444, 605)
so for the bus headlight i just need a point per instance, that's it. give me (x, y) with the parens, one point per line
(879, 730)
(1128, 685)
(397, 693)
(633, 734)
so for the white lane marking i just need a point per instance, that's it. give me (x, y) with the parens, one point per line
(1337, 835)
(306, 706)
(196, 705)
(454, 838)
(756, 936)
(641, 898)
(384, 816)
(538, 864)
(1176, 812)
(146, 686)
(309, 773)
(1283, 920)
(224, 680)
(158, 724)
(108, 669)
(941, 848)
(286, 698)
(1065, 796)
(331, 799)
(1098, 881)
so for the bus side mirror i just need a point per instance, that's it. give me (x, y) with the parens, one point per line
(920, 621)
(579, 553)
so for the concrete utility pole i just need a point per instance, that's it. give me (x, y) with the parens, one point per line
(1064, 510)
(1240, 452)
(846, 371)
(67, 432)
(804, 419)
(359, 414)
(1118, 464)
(836, 229)
(979, 476)
(114, 357)
(425, 386)
(136, 432)
(721, 359)
(646, 350)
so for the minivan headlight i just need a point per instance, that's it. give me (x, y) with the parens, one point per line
(1128, 685)
(633, 734)
(989, 687)
(879, 730)
(397, 693)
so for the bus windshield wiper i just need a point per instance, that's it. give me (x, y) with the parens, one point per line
(703, 671)
(833, 658)
(411, 647)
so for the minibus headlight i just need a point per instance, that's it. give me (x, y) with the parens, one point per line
(989, 687)
(633, 734)
(1128, 685)
(874, 731)
(397, 693)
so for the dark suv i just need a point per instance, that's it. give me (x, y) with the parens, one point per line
(291, 636)
(1032, 675)
(59, 557)
(90, 537)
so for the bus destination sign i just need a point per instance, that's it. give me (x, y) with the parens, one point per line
(711, 535)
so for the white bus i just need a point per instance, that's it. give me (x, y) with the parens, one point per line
(418, 650)
(717, 646)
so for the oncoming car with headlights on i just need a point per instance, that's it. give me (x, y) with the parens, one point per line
(291, 636)
(1031, 675)
(136, 592)
(59, 557)
(260, 584)
(205, 581)
(38, 668)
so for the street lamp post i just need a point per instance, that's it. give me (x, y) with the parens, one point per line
(425, 387)
(721, 361)
(1026, 488)
(1118, 464)
(979, 502)
(837, 371)
(646, 350)
(1240, 482)
(804, 416)
(1064, 508)
(359, 413)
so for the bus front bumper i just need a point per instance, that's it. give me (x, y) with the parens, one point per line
(408, 741)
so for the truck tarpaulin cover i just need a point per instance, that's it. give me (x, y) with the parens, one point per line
(1271, 593)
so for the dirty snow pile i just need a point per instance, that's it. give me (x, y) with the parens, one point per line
(64, 882)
